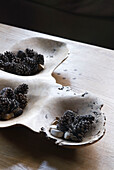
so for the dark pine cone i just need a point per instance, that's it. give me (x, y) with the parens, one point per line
(22, 99)
(1, 63)
(40, 59)
(10, 55)
(7, 92)
(82, 124)
(5, 104)
(17, 60)
(23, 88)
(14, 105)
(30, 52)
(34, 69)
(9, 67)
(66, 120)
(21, 55)
(4, 58)
(30, 61)
(22, 69)
(1, 56)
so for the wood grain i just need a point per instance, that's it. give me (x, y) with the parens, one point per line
(88, 68)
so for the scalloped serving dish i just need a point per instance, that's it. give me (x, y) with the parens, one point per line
(47, 99)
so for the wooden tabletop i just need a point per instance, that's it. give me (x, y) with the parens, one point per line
(88, 68)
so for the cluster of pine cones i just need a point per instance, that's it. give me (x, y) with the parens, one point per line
(23, 63)
(77, 125)
(12, 102)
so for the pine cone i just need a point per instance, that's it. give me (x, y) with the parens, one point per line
(4, 58)
(14, 105)
(16, 60)
(23, 88)
(21, 55)
(7, 92)
(82, 124)
(1, 63)
(66, 120)
(22, 99)
(40, 59)
(9, 67)
(30, 61)
(5, 104)
(10, 55)
(30, 52)
(22, 70)
(1, 56)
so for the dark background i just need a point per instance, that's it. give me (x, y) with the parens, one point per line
(82, 21)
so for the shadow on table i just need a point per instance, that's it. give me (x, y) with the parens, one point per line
(41, 153)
